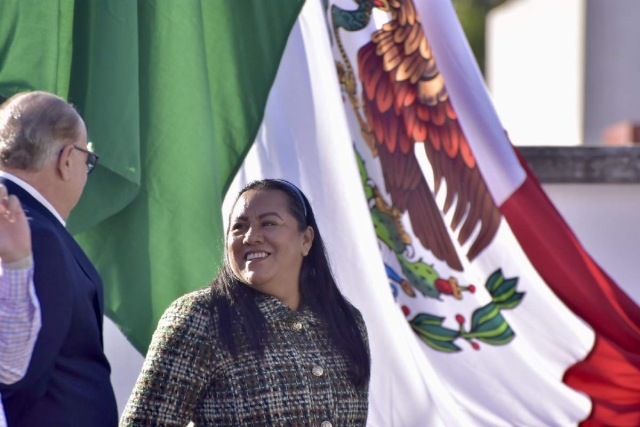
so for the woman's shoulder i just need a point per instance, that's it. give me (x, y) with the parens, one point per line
(362, 326)
(196, 300)
(191, 308)
(354, 311)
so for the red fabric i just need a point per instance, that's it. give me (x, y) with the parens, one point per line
(610, 377)
(610, 374)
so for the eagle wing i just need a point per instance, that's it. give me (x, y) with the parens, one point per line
(406, 101)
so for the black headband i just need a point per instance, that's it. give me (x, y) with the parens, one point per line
(296, 191)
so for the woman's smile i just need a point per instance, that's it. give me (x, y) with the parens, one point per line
(256, 256)
(266, 243)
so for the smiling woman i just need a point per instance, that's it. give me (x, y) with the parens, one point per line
(271, 342)
(267, 244)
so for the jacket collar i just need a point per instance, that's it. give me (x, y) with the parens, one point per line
(274, 310)
(33, 193)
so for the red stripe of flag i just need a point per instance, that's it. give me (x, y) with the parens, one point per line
(610, 374)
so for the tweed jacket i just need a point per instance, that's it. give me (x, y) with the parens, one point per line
(188, 376)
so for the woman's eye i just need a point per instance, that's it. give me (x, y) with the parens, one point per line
(266, 223)
(238, 227)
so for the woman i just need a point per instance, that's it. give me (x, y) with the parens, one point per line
(272, 342)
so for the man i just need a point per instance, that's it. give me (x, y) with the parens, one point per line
(19, 308)
(44, 159)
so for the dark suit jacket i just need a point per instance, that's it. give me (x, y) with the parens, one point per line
(67, 383)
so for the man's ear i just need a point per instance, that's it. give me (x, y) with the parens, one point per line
(307, 240)
(65, 162)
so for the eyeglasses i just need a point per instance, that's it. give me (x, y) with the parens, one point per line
(92, 158)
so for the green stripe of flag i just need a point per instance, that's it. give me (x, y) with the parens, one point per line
(36, 45)
(173, 94)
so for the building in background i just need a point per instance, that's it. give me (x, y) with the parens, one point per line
(563, 72)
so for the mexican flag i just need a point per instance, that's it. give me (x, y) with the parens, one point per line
(482, 307)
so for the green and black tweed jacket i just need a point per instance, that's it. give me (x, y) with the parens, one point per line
(188, 376)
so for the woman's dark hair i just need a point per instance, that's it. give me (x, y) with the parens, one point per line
(233, 303)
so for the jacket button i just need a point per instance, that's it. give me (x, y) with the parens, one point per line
(297, 326)
(326, 424)
(317, 371)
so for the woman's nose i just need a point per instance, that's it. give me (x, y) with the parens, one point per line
(253, 236)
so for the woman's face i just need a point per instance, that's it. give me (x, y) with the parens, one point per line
(264, 245)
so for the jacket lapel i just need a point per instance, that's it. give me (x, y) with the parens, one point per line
(30, 204)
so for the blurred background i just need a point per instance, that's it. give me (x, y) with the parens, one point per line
(473, 17)
(563, 76)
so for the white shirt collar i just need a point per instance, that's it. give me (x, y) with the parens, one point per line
(34, 193)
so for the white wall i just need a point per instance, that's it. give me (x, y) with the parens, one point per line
(535, 69)
(612, 67)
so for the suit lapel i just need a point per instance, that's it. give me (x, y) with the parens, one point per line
(30, 204)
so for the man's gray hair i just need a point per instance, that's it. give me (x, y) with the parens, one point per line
(34, 127)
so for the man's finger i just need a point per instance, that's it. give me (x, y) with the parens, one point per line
(15, 208)
(4, 208)
(4, 198)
